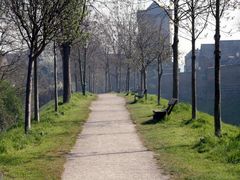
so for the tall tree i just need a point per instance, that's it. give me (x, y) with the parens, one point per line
(176, 14)
(71, 31)
(55, 78)
(175, 50)
(218, 7)
(163, 56)
(36, 92)
(197, 14)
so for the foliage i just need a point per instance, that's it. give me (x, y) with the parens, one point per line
(41, 153)
(188, 148)
(72, 27)
(10, 106)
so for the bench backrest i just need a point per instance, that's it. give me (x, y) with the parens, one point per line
(171, 105)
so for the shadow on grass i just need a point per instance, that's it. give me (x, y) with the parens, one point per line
(152, 121)
(187, 122)
(132, 102)
(175, 147)
(194, 123)
(51, 157)
(15, 160)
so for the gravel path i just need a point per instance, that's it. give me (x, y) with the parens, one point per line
(109, 148)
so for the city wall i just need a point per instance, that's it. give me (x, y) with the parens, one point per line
(230, 87)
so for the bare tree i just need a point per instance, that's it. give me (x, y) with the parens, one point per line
(177, 16)
(127, 37)
(197, 15)
(163, 56)
(10, 42)
(217, 8)
(145, 53)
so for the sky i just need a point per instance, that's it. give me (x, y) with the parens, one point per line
(231, 25)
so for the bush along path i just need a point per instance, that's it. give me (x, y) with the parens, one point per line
(187, 148)
(109, 148)
(41, 153)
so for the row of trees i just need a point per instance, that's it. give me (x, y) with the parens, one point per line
(143, 45)
(194, 17)
(37, 24)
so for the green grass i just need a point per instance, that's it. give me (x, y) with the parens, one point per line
(41, 153)
(188, 149)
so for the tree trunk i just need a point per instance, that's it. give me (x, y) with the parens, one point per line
(27, 125)
(160, 72)
(89, 79)
(93, 85)
(80, 69)
(55, 78)
(194, 88)
(134, 80)
(76, 77)
(106, 81)
(66, 50)
(141, 80)
(107, 76)
(128, 79)
(175, 51)
(120, 76)
(109, 79)
(36, 92)
(217, 102)
(138, 79)
(84, 71)
(117, 78)
(92, 80)
(145, 82)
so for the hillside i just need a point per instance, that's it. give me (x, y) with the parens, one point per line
(41, 153)
(185, 148)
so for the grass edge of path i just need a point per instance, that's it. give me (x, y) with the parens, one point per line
(42, 153)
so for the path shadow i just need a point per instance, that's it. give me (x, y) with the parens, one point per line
(72, 156)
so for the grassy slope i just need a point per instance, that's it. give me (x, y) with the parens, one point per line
(41, 154)
(188, 149)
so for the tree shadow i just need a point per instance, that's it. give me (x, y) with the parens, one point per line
(174, 147)
(187, 122)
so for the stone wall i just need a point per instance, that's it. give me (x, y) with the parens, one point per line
(230, 79)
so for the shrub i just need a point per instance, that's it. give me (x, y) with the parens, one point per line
(10, 106)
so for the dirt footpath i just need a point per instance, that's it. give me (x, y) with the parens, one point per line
(109, 148)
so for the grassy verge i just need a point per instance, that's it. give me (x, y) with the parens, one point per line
(188, 149)
(41, 153)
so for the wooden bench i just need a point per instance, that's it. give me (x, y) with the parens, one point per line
(160, 114)
(139, 95)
